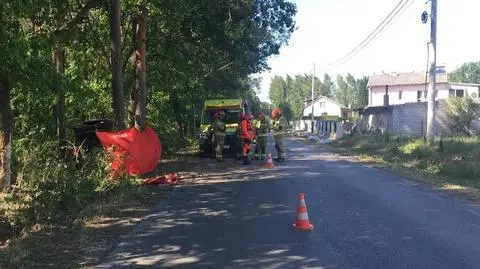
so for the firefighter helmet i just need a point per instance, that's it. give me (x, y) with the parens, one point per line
(276, 112)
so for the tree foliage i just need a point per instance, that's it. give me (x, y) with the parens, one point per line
(297, 91)
(466, 73)
(462, 112)
(195, 50)
(351, 92)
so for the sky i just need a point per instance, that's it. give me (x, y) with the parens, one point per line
(329, 29)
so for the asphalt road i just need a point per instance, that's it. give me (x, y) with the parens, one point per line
(241, 217)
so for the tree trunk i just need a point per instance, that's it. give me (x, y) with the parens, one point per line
(139, 92)
(134, 94)
(116, 54)
(5, 135)
(59, 62)
(176, 111)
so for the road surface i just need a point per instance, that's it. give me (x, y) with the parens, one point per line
(241, 217)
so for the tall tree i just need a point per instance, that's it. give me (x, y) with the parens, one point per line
(352, 91)
(5, 134)
(116, 57)
(139, 93)
(327, 86)
(363, 92)
(278, 90)
(341, 91)
(466, 73)
(59, 62)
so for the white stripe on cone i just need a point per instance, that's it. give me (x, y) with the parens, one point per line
(302, 216)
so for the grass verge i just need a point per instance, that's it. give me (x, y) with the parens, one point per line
(450, 165)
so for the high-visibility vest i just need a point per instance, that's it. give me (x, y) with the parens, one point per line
(278, 127)
(262, 127)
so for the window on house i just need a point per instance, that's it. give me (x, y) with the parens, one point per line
(322, 104)
(419, 96)
(400, 95)
(456, 92)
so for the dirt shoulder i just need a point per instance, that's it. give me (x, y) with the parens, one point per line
(449, 171)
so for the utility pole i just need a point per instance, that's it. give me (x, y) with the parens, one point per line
(313, 100)
(433, 73)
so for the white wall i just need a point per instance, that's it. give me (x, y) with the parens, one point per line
(323, 106)
(408, 94)
(471, 90)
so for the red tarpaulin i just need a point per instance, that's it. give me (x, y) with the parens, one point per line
(136, 153)
(170, 179)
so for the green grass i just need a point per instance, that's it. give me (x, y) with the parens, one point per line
(455, 164)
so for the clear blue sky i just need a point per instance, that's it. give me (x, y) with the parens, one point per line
(329, 29)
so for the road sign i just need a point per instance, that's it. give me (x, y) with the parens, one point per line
(424, 17)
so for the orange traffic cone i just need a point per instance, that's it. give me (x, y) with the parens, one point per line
(302, 222)
(269, 163)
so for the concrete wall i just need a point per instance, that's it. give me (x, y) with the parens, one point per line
(409, 119)
(381, 122)
(334, 129)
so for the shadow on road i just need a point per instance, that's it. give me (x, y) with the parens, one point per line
(222, 219)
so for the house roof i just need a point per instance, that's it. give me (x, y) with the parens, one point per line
(309, 102)
(412, 78)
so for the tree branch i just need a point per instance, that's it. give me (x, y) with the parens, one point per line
(81, 15)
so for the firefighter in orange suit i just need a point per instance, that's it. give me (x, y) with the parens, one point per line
(246, 133)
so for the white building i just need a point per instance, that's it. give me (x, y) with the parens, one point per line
(324, 106)
(401, 88)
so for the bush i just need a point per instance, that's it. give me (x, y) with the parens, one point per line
(48, 190)
(418, 149)
(462, 112)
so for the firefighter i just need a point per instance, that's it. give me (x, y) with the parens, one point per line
(261, 127)
(218, 127)
(278, 125)
(246, 133)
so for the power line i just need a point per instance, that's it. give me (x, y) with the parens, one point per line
(385, 22)
(384, 27)
(378, 26)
